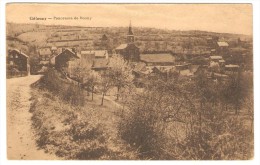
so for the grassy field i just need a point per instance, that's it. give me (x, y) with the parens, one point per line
(37, 38)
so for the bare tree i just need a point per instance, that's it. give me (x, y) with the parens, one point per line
(91, 80)
(105, 85)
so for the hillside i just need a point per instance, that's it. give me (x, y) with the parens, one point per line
(90, 37)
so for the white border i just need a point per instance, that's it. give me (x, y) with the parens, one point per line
(256, 28)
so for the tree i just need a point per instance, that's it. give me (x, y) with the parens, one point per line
(91, 80)
(105, 85)
(120, 73)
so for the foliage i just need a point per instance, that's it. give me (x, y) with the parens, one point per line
(53, 82)
(120, 73)
(184, 119)
(91, 80)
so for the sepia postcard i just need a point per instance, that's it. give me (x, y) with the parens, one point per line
(129, 81)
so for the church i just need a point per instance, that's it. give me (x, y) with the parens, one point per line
(129, 50)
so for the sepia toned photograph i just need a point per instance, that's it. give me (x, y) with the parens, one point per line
(129, 81)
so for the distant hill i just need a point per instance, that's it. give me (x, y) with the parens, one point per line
(37, 35)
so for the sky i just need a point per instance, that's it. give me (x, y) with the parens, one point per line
(224, 18)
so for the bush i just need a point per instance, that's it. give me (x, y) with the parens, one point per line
(141, 129)
(170, 122)
(67, 91)
(74, 95)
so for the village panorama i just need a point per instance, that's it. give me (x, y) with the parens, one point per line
(128, 93)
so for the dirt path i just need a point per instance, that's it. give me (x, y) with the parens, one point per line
(20, 137)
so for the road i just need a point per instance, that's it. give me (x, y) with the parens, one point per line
(21, 142)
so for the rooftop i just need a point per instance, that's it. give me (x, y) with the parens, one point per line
(20, 52)
(232, 66)
(216, 57)
(223, 44)
(69, 50)
(157, 58)
(122, 46)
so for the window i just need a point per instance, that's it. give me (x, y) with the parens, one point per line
(11, 63)
(11, 56)
(16, 56)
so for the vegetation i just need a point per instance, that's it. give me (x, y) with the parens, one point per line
(68, 92)
(175, 118)
(182, 119)
(72, 131)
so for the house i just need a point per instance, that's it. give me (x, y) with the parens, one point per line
(222, 47)
(129, 50)
(222, 44)
(215, 58)
(188, 69)
(216, 61)
(232, 67)
(63, 59)
(43, 70)
(45, 54)
(139, 69)
(158, 59)
(87, 58)
(101, 54)
(18, 60)
(97, 53)
(100, 64)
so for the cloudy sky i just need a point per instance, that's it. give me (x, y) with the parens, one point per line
(230, 18)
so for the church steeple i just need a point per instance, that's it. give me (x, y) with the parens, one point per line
(130, 29)
(130, 35)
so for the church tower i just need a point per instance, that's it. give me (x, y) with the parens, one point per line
(130, 36)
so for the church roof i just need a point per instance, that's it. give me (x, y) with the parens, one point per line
(130, 30)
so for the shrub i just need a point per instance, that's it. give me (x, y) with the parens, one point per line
(142, 130)
(74, 95)
(68, 92)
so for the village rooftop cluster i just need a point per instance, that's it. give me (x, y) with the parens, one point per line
(148, 54)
